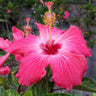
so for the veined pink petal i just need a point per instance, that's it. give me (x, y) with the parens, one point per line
(4, 70)
(73, 41)
(56, 32)
(3, 59)
(32, 68)
(67, 69)
(44, 32)
(4, 44)
(17, 33)
(30, 43)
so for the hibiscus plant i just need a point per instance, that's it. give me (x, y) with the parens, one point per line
(53, 60)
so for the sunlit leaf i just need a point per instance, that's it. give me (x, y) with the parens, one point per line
(1, 91)
(56, 94)
(75, 94)
(12, 80)
(2, 20)
(28, 93)
(93, 94)
(42, 87)
(3, 83)
(11, 92)
(87, 85)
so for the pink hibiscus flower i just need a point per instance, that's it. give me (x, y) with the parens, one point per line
(17, 35)
(9, 10)
(66, 57)
(67, 15)
(3, 45)
(4, 70)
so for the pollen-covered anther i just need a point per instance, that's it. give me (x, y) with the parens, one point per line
(49, 18)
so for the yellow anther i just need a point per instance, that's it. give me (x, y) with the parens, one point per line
(49, 19)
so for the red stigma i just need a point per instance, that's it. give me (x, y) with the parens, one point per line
(49, 4)
(27, 19)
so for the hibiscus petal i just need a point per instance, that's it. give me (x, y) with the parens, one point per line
(4, 44)
(3, 59)
(4, 70)
(67, 69)
(44, 32)
(32, 68)
(17, 33)
(30, 43)
(56, 32)
(73, 41)
(18, 56)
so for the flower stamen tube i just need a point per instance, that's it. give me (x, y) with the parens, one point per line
(27, 28)
(49, 4)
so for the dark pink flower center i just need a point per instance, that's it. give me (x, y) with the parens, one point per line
(6, 71)
(53, 50)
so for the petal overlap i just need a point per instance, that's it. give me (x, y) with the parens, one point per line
(3, 59)
(4, 44)
(30, 43)
(17, 33)
(44, 32)
(4, 70)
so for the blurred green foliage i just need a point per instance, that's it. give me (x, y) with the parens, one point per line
(89, 22)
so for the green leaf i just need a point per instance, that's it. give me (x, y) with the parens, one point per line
(2, 80)
(3, 83)
(87, 85)
(11, 92)
(75, 94)
(93, 94)
(56, 94)
(2, 52)
(1, 91)
(42, 87)
(12, 80)
(28, 93)
(2, 20)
